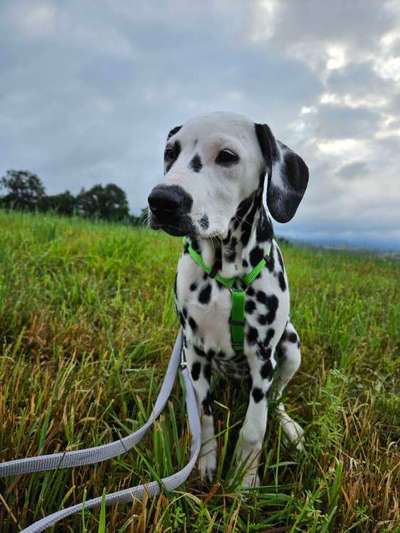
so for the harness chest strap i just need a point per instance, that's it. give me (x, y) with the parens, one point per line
(238, 296)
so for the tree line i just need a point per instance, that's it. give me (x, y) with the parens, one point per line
(24, 191)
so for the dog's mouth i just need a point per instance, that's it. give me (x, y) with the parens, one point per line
(178, 226)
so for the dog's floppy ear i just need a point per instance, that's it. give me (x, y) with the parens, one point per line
(287, 176)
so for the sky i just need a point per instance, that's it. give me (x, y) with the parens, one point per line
(89, 90)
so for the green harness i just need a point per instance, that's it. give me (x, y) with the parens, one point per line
(238, 296)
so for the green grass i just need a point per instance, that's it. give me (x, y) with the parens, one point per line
(87, 323)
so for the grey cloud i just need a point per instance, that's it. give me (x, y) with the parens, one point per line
(354, 24)
(358, 79)
(89, 94)
(358, 169)
(341, 122)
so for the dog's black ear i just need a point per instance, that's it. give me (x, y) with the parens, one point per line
(287, 176)
(173, 131)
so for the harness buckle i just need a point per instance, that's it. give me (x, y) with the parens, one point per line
(183, 364)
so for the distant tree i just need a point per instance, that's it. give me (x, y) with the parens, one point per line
(109, 203)
(24, 189)
(141, 220)
(62, 204)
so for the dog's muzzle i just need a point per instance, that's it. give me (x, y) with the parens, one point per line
(170, 206)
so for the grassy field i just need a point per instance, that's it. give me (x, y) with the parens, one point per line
(86, 326)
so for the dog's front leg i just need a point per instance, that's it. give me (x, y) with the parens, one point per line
(200, 369)
(255, 423)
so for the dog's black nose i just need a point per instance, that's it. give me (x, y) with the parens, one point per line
(169, 200)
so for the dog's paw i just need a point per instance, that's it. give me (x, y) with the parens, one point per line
(207, 465)
(294, 433)
(292, 430)
(299, 442)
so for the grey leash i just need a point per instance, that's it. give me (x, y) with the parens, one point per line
(107, 451)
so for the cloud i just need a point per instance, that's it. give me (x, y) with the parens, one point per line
(358, 169)
(89, 92)
(336, 121)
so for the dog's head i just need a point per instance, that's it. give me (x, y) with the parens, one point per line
(214, 162)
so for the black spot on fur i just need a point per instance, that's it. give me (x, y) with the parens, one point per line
(173, 131)
(268, 336)
(252, 335)
(270, 259)
(210, 354)
(266, 370)
(205, 294)
(196, 164)
(192, 324)
(258, 394)
(242, 209)
(218, 261)
(272, 304)
(261, 297)
(291, 337)
(264, 228)
(282, 282)
(250, 291)
(207, 372)
(264, 351)
(249, 306)
(207, 403)
(280, 352)
(262, 319)
(245, 263)
(184, 313)
(171, 154)
(256, 256)
(195, 244)
(199, 351)
(196, 369)
(248, 223)
(204, 222)
(220, 354)
(193, 286)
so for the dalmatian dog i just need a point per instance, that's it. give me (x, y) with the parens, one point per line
(225, 177)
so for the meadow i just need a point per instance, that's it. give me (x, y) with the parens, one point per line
(87, 323)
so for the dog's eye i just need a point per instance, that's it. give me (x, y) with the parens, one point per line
(169, 154)
(226, 158)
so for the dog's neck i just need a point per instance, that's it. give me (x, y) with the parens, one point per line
(248, 240)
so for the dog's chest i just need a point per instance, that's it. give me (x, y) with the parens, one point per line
(204, 307)
(207, 308)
